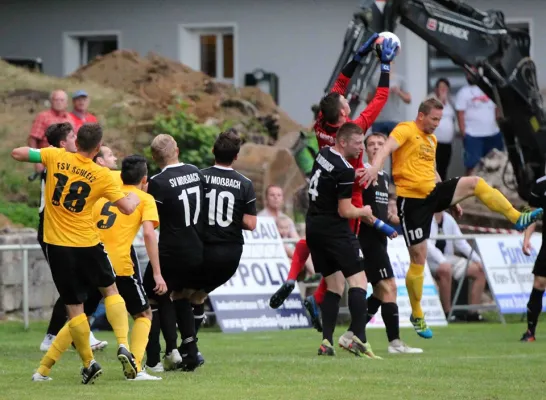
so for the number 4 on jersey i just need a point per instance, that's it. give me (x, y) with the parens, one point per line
(313, 184)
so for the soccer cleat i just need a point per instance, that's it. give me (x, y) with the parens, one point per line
(144, 376)
(313, 310)
(127, 362)
(37, 377)
(282, 294)
(421, 327)
(326, 349)
(96, 344)
(527, 218)
(527, 337)
(156, 368)
(399, 347)
(172, 360)
(200, 358)
(355, 346)
(46, 343)
(90, 374)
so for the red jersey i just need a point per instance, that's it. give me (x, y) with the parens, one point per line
(326, 133)
(80, 119)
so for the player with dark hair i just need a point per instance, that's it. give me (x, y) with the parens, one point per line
(421, 193)
(179, 191)
(76, 257)
(62, 136)
(117, 232)
(373, 241)
(230, 206)
(334, 112)
(334, 246)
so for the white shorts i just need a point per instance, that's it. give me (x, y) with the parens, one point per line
(458, 266)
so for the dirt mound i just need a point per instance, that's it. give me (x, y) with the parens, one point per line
(159, 81)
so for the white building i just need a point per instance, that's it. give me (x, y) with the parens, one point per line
(299, 40)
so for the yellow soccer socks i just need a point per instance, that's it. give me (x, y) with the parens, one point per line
(414, 283)
(58, 347)
(495, 201)
(79, 330)
(116, 313)
(139, 339)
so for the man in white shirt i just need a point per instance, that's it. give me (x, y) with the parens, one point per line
(445, 265)
(477, 117)
(274, 202)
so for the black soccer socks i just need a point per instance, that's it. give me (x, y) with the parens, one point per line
(389, 313)
(534, 307)
(373, 305)
(330, 310)
(358, 307)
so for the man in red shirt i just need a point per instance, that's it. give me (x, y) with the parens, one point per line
(80, 115)
(334, 112)
(57, 114)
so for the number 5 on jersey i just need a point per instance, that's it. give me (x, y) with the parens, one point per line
(313, 184)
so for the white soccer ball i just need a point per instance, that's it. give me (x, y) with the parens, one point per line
(388, 35)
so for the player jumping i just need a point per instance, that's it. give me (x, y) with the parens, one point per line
(334, 112)
(421, 193)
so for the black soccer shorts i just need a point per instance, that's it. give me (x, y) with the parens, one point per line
(220, 262)
(377, 263)
(77, 270)
(416, 214)
(540, 263)
(333, 246)
(132, 289)
(176, 269)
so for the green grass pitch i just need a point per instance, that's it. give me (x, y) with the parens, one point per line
(462, 361)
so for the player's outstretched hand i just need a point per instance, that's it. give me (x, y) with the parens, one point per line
(457, 211)
(365, 48)
(394, 235)
(388, 51)
(368, 177)
(160, 285)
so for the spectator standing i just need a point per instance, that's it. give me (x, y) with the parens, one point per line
(445, 132)
(55, 115)
(446, 266)
(393, 110)
(80, 115)
(274, 202)
(476, 114)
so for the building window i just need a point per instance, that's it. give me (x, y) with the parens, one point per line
(210, 50)
(440, 65)
(80, 48)
(94, 46)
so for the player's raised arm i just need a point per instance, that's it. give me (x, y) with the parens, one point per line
(340, 85)
(128, 204)
(372, 111)
(26, 154)
(249, 217)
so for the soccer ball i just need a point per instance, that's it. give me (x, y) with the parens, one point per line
(387, 35)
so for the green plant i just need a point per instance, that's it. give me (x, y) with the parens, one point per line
(20, 213)
(195, 140)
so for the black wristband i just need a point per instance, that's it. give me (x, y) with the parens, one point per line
(384, 79)
(350, 68)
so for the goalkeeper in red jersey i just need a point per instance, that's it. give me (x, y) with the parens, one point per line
(334, 112)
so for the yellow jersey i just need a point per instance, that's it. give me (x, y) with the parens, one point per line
(73, 185)
(414, 162)
(117, 231)
(117, 177)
